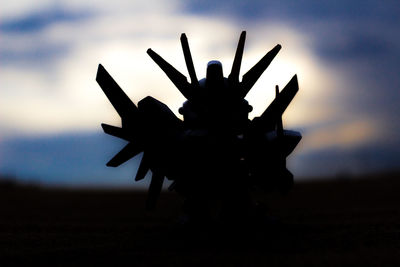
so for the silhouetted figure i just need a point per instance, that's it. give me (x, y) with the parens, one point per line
(216, 156)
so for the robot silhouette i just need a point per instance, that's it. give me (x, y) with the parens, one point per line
(216, 156)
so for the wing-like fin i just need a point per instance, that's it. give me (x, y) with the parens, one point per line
(115, 131)
(121, 102)
(291, 139)
(154, 190)
(234, 76)
(189, 60)
(275, 110)
(143, 168)
(251, 77)
(177, 78)
(128, 152)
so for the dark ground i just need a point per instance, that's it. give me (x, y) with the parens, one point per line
(330, 223)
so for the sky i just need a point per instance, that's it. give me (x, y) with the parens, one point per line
(346, 55)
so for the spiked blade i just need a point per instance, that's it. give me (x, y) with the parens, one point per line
(177, 78)
(128, 152)
(120, 101)
(273, 113)
(115, 131)
(189, 60)
(234, 76)
(154, 190)
(251, 77)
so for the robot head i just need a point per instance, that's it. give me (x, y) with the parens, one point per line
(214, 76)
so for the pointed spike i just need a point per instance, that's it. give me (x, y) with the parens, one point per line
(143, 168)
(115, 131)
(251, 77)
(177, 78)
(234, 76)
(278, 106)
(154, 190)
(189, 60)
(128, 152)
(120, 101)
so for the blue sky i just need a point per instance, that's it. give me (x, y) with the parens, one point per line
(346, 55)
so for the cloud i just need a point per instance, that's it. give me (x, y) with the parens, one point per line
(345, 55)
(38, 21)
(301, 11)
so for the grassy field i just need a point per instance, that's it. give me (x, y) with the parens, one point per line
(322, 223)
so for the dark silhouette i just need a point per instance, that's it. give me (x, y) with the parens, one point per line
(216, 156)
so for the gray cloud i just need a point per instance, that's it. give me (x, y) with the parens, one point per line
(341, 30)
(25, 40)
(37, 53)
(38, 21)
(299, 10)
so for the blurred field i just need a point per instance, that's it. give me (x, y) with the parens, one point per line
(326, 223)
